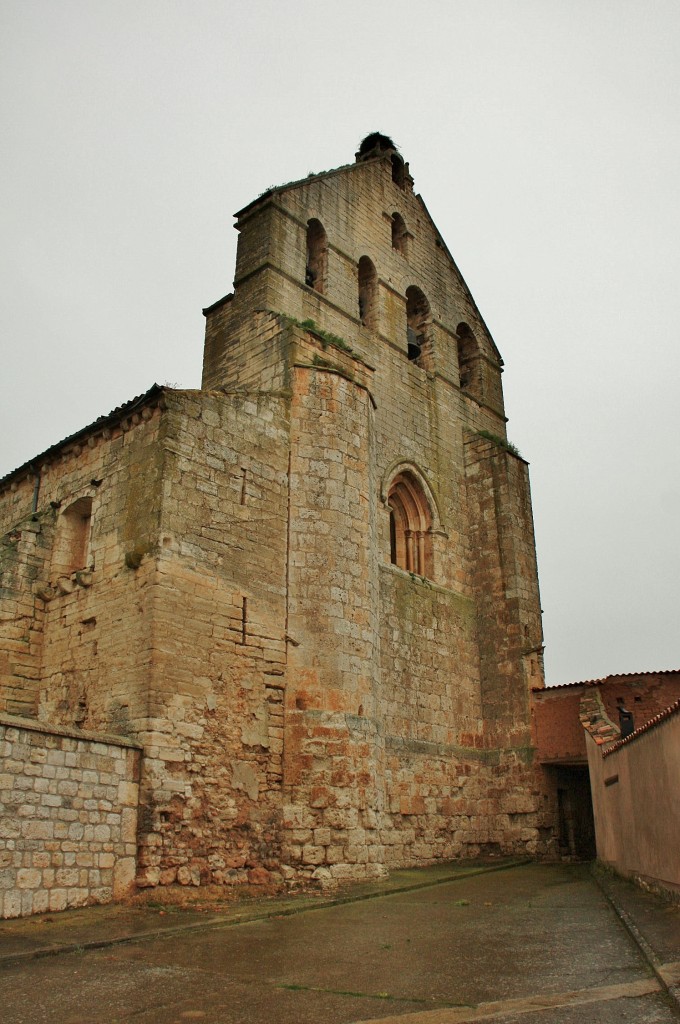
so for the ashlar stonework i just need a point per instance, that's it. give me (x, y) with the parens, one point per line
(308, 590)
(68, 817)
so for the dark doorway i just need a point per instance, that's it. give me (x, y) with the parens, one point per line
(576, 825)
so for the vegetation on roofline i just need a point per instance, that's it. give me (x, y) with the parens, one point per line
(287, 184)
(500, 442)
(325, 337)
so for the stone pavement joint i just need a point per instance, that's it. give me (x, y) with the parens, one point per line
(527, 1004)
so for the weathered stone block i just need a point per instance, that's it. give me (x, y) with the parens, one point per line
(313, 854)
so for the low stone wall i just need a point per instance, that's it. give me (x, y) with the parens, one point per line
(68, 817)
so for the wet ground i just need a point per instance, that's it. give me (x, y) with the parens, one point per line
(532, 943)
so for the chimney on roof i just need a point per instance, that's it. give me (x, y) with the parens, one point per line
(626, 722)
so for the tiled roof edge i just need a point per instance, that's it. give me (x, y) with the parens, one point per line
(605, 679)
(651, 724)
(102, 421)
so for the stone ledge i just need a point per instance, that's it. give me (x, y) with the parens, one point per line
(33, 725)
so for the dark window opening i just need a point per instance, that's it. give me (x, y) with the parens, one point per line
(468, 358)
(399, 234)
(317, 256)
(368, 292)
(418, 328)
(398, 170)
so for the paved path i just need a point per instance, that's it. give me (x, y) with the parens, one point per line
(533, 944)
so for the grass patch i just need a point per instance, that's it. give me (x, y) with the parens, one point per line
(500, 442)
(325, 337)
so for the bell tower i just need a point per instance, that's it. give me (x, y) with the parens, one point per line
(413, 614)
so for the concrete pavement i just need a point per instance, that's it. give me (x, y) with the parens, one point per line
(95, 927)
(534, 943)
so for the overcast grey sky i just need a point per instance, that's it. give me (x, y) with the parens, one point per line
(543, 136)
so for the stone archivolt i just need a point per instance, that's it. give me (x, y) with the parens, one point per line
(410, 525)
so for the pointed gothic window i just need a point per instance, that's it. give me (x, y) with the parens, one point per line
(317, 256)
(410, 526)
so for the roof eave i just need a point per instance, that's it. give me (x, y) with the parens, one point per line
(154, 392)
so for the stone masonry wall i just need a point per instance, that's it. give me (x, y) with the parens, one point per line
(68, 817)
(75, 640)
(432, 758)
(505, 582)
(355, 207)
(24, 553)
(448, 795)
(212, 776)
(333, 796)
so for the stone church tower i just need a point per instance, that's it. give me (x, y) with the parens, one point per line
(309, 590)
